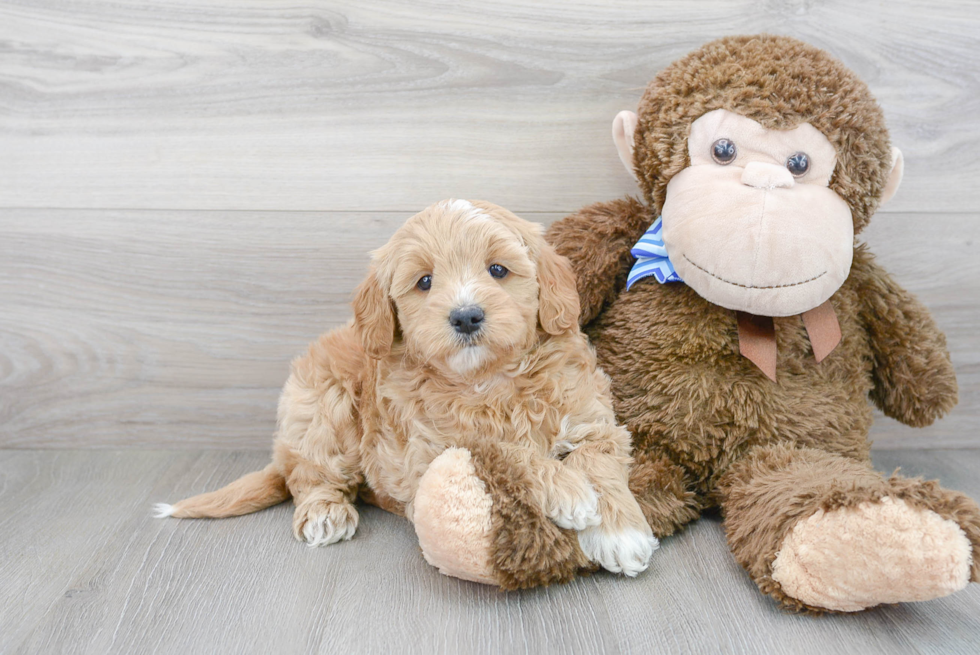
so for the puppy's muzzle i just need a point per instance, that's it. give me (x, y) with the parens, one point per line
(466, 320)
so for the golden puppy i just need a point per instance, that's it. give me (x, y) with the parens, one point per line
(466, 329)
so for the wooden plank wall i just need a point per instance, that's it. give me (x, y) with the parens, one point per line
(188, 188)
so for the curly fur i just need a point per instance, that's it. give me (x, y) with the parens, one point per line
(709, 428)
(780, 83)
(373, 403)
(529, 550)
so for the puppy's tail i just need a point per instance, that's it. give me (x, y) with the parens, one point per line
(245, 495)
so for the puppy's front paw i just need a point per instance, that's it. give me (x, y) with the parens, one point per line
(573, 503)
(625, 551)
(320, 523)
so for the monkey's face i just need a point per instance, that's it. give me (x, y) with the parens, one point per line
(751, 224)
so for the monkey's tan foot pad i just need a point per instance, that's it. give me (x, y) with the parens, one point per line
(452, 518)
(854, 558)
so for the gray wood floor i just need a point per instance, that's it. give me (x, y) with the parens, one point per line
(84, 568)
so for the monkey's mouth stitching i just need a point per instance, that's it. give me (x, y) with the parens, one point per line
(749, 286)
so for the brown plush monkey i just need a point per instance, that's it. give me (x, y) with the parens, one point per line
(759, 159)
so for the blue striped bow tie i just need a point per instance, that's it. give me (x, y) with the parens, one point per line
(651, 257)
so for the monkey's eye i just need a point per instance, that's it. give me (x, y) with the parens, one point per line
(498, 271)
(798, 164)
(424, 283)
(723, 151)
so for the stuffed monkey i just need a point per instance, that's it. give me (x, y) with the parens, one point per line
(745, 330)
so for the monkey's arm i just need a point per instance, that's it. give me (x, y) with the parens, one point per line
(597, 240)
(914, 381)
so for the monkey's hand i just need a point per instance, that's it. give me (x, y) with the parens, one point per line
(913, 375)
(597, 241)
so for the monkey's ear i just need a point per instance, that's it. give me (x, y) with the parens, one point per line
(894, 177)
(558, 304)
(374, 316)
(623, 128)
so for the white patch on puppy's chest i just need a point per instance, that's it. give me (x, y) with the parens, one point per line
(468, 359)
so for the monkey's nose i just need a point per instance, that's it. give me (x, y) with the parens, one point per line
(767, 176)
(466, 320)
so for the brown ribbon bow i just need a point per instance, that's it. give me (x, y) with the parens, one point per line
(757, 336)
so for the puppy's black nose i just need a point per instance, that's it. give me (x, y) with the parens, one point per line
(466, 320)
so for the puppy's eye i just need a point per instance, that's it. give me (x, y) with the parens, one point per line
(498, 271)
(424, 283)
(723, 151)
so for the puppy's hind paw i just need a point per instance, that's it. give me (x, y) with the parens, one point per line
(626, 551)
(321, 523)
(577, 512)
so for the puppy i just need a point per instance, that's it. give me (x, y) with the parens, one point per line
(466, 329)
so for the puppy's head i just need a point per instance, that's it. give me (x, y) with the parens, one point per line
(465, 287)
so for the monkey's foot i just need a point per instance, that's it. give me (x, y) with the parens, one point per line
(853, 558)
(452, 518)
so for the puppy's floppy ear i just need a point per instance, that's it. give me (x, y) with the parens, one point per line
(558, 305)
(374, 316)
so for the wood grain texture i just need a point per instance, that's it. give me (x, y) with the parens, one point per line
(175, 329)
(85, 569)
(389, 105)
(157, 324)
